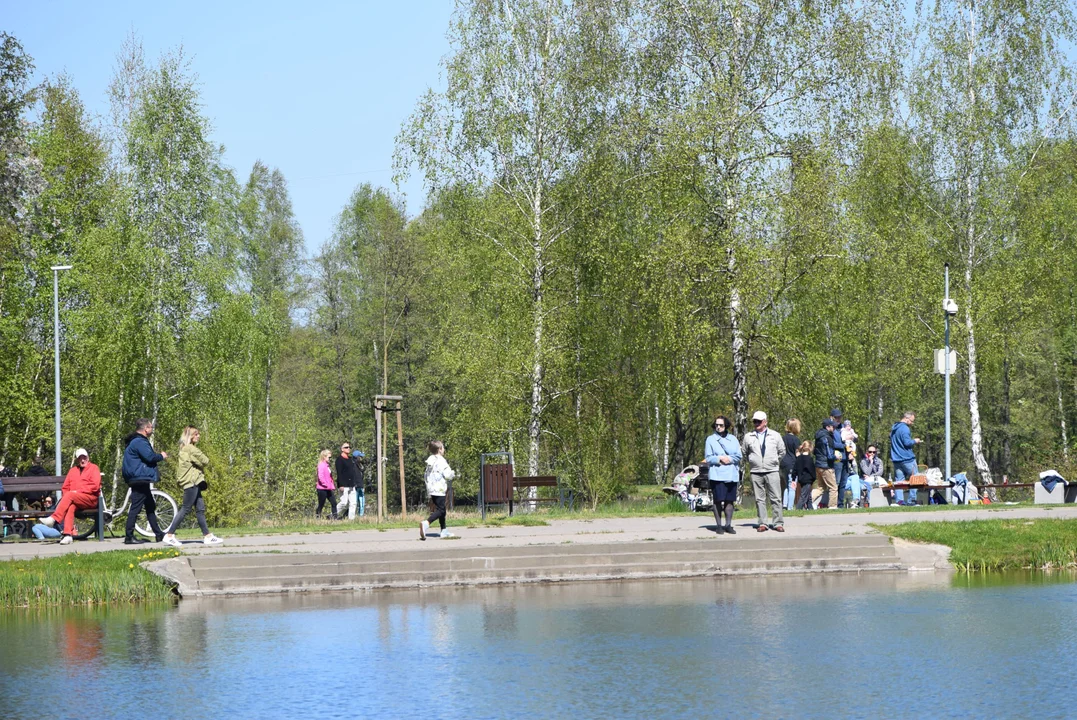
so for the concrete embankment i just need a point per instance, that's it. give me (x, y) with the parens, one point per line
(434, 565)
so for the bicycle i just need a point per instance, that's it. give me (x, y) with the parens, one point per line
(166, 512)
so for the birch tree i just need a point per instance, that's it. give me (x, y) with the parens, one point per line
(991, 77)
(513, 122)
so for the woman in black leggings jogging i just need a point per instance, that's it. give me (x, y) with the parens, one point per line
(438, 475)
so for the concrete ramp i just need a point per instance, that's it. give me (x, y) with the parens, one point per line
(435, 564)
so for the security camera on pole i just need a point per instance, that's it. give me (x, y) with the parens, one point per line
(946, 363)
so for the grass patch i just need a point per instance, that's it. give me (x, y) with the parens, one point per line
(992, 545)
(96, 578)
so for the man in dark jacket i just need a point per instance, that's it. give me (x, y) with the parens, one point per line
(139, 471)
(841, 463)
(824, 464)
(347, 479)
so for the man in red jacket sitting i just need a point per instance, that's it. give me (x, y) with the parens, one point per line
(81, 486)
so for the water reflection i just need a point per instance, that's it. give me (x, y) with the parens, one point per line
(881, 645)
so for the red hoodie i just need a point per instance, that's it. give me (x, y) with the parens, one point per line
(85, 480)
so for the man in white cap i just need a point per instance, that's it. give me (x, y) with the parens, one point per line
(763, 451)
(81, 486)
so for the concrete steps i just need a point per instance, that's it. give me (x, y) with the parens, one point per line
(438, 563)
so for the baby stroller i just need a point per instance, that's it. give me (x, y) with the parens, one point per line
(691, 489)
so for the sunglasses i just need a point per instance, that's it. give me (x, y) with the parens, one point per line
(719, 425)
(756, 422)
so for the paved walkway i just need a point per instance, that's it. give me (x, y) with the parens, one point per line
(597, 531)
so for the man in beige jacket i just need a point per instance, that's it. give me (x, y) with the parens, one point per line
(763, 451)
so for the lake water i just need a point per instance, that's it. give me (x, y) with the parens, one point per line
(892, 646)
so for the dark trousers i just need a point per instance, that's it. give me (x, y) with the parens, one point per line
(841, 475)
(324, 495)
(142, 496)
(804, 496)
(192, 497)
(437, 512)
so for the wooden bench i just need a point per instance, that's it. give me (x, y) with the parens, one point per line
(520, 483)
(21, 520)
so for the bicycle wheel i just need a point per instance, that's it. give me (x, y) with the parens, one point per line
(166, 512)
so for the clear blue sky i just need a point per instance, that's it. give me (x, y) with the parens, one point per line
(317, 89)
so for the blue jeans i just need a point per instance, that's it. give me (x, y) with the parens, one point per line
(361, 500)
(903, 472)
(44, 531)
(789, 497)
(841, 475)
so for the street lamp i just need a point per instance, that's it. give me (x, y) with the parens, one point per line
(949, 309)
(56, 354)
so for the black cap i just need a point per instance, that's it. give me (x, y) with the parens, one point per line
(828, 423)
(836, 412)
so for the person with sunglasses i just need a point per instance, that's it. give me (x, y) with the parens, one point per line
(871, 466)
(723, 470)
(348, 479)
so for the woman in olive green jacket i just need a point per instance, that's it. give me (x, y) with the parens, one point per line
(190, 472)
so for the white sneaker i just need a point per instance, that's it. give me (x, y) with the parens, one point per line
(48, 521)
(212, 539)
(67, 540)
(447, 534)
(424, 527)
(171, 540)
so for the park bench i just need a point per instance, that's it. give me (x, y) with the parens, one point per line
(20, 521)
(500, 484)
(526, 483)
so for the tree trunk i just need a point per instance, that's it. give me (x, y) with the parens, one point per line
(974, 398)
(740, 351)
(538, 318)
(119, 448)
(250, 411)
(269, 382)
(1007, 450)
(1062, 416)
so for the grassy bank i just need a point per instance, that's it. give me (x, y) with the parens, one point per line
(987, 545)
(74, 579)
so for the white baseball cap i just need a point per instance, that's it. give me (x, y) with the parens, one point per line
(81, 452)
(759, 415)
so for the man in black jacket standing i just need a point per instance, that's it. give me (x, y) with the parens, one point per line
(140, 472)
(347, 479)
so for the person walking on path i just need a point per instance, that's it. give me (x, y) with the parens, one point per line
(764, 450)
(902, 445)
(80, 490)
(789, 479)
(804, 467)
(325, 486)
(437, 476)
(190, 472)
(723, 470)
(347, 479)
(140, 472)
(825, 455)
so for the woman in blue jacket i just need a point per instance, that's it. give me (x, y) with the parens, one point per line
(723, 462)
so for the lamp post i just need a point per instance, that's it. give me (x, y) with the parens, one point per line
(56, 354)
(949, 309)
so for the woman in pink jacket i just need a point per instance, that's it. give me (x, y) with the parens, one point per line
(325, 486)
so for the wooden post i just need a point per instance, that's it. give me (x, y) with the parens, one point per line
(379, 411)
(400, 452)
(378, 458)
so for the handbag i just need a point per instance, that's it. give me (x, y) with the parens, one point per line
(204, 485)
